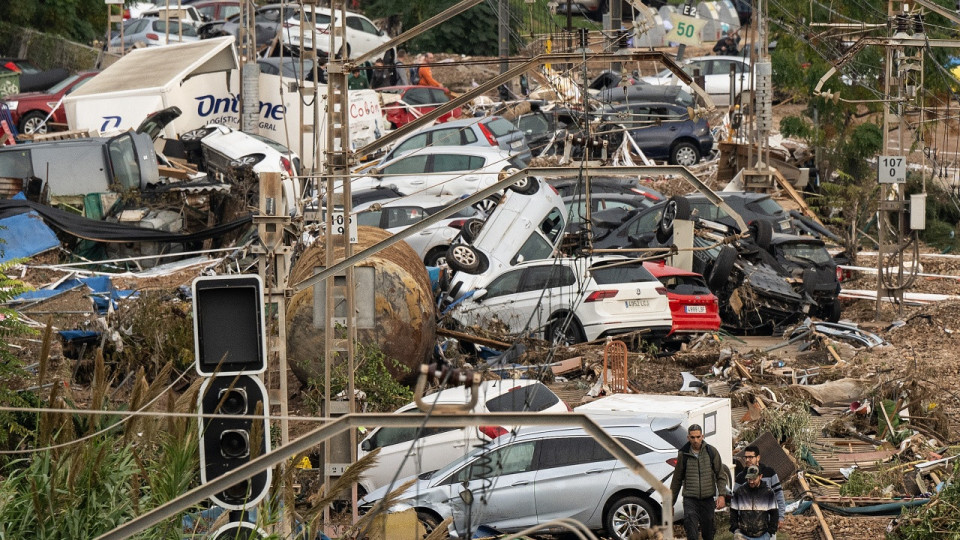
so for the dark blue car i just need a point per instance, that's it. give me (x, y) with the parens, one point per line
(663, 131)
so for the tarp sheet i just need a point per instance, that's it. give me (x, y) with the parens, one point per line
(24, 236)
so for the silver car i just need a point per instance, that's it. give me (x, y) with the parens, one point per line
(488, 131)
(540, 474)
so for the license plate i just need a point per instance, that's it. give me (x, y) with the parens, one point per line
(695, 309)
(785, 225)
(516, 144)
(638, 303)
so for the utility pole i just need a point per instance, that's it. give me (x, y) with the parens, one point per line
(503, 34)
(249, 70)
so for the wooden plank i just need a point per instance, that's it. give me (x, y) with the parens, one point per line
(795, 196)
(173, 172)
(469, 338)
(816, 507)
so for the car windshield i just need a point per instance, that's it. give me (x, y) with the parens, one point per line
(534, 397)
(271, 143)
(500, 127)
(608, 272)
(767, 206)
(812, 252)
(685, 284)
(62, 84)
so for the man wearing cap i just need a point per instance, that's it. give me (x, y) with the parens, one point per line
(753, 509)
(751, 456)
(703, 476)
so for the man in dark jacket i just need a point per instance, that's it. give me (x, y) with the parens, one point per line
(751, 455)
(753, 509)
(703, 476)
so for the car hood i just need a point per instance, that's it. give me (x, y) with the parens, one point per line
(419, 486)
(29, 96)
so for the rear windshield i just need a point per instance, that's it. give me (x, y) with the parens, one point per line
(500, 127)
(676, 436)
(612, 272)
(534, 398)
(810, 252)
(767, 206)
(685, 284)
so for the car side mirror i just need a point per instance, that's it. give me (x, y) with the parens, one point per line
(366, 445)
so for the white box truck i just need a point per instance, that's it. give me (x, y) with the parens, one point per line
(711, 413)
(202, 78)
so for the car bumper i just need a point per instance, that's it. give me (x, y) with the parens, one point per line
(652, 331)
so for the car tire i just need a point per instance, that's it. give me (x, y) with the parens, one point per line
(464, 258)
(33, 122)
(628, 515)
(685, 154)
(194, 135)
(720, 270)
(762, 232)
(428, 521)
(833, 312)
(488, 204)
(572, 335)
(436, 256)
(675, 208)
(527, 185)
(471, 229)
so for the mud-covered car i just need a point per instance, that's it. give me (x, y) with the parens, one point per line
(763, 280)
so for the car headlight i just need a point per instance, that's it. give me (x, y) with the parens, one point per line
(248, 160)
(13, 105)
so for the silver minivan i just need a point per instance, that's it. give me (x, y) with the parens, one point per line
(540, 474)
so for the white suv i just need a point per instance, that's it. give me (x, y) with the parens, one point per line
(362, 35)
(572, 299)
(405, 451)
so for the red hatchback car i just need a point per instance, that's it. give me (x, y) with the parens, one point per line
(415, 101)
(693, 307)
(29, 110)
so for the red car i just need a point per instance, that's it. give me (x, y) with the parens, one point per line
(415, 101)
(30, 109)
(693, 307)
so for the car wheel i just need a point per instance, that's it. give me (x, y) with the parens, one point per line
(33, 122)
(436, 256)
(720, 271)
(762, 232)
(675, 208)
(487, 205)
(526, 185)
(833, 311)
(428, 521)
(685, 153)
(627, 516)
(471, 229)
(195, 134)
(464, 258)
(570, 335)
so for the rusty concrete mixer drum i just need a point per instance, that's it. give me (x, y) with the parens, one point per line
(395, 308)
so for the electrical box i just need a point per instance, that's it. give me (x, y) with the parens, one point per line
(918, 212)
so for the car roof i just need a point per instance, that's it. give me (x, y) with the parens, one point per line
(661, 269)
(486, 390)
(608, 420)
(786, 238)
(485, 151)
(656, 92)
(469, 121)
(420, 200)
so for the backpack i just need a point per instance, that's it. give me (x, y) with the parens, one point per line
(415, 75)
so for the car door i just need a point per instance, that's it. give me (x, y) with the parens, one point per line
(642, 127)
(717, 80)
(454, 174)
(501, 484)
(496, 302)
(572, 475)
(406, 173)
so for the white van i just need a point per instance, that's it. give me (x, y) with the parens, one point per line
(405, 451)
(526, 225)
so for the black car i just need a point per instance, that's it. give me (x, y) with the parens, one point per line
(763, 280)
(546, 130)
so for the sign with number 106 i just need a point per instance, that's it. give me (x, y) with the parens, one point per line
(892, 170)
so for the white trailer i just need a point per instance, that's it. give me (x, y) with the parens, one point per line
(711, 413)
(202, 78)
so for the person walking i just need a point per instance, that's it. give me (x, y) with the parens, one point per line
(357, 80)
(402, 76)
(382, 75)
(751, 456)
(426, 74)
(753, 509)
(703, 477)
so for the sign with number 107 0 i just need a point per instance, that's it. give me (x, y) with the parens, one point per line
(892, 170)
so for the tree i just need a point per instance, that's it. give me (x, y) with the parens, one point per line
(473, 32)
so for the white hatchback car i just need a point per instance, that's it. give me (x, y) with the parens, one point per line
(362, 35)
(432, 243)
(526, 225)
(441, 170)
(409, 450)
(572, 300)
(716, 77)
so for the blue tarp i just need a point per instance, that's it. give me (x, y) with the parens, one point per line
(24, 236)
(103, 292)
